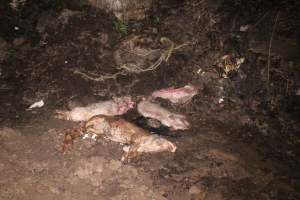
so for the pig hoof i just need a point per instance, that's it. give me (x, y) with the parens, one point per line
(125, 159)
(61, 115)
(129, 157)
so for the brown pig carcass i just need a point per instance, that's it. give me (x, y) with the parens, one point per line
(177, 95)
(166, 117)
(117, 106)
(121, 131)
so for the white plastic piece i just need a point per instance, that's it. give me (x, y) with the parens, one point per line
(37, 104)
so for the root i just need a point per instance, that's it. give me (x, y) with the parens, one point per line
(134, 69)
(99, 78)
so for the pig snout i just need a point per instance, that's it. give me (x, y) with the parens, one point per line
(154, 143)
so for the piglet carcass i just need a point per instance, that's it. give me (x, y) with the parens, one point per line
(121, 131)
(166, 117)
(177, 95)
(117, 106)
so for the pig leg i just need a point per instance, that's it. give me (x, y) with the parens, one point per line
(131, 154)
(59, 114)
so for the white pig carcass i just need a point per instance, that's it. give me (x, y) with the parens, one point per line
(117, 106)
(166, 117)
(177, 95)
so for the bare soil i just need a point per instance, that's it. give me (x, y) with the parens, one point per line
(242, 144)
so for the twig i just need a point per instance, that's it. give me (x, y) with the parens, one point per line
(100, 78)
(140, 54)
(260, 20)
(270, 47)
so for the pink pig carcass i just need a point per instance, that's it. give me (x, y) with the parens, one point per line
(177, 95)
(117, 106)
(166, 117)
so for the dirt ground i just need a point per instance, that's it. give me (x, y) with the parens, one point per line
(244, 139)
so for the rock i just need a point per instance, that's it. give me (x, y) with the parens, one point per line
(198, 192)
(194, 190)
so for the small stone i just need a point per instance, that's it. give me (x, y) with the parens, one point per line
(244, 28)
(198, 192)
(194, 190)
(154, 31)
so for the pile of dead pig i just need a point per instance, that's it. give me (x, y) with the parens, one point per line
(103, 119)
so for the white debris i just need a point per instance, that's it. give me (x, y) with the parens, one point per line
(221, 100)
(92, 136)
(16, 28)
(298, 92)
(85, 136)
(37, 104)
(240, 61)
(244, 28)
(126, 148)
(199, 71)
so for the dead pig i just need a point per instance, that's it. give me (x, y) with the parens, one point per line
(166, 117)
(124, 132)
(117, 106)
(177, 95)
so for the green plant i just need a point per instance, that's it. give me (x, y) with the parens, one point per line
(121, 26)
